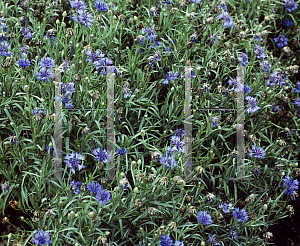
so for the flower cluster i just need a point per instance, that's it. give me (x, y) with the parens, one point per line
(102, 196)
(291, 186)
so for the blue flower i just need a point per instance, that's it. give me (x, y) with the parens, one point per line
(166, 241)
(77, 4)
(233, 233)
(85, 18)
(297, 102)
(101, 6)
(121, 152)
(265, 66)
(168, 160)
(297, 87)
(44, 74)
(178, 144)
(287, 22)
(126, 91)
(140, 39)
(47, 62)
(26, 32)
(222, 5)
(204, 217)
(213, 38)
(140, 50)
(252, 107)
(258, 152)
(289, 183)
(195, 1)
(244, 59)
(13, 139)
(259, 51)
(75, 186)
(41, 238)
(24, 62)
(226, 207)
(123, 183)
(67, 100)
(228, 21)
(150, 33)
(241, 216)
(51, 149)
(41, 112)
(5, 187)
(100, 155)
(275, 108)
(213, 240)
(179, 133)
(74, 160)
(247, 89)
(68, 87)
(257, 170)
(103, 196)
(290, 5)
(4, 49)
(178, 243)
(215, 121)
(94, 187)
(281, 41)
(170, 77)
(210, 197)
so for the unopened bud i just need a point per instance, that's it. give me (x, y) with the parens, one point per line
(136, 190)
(63, 24)
(139, 162)
(57, 21)
(64, 14)
(142, 133)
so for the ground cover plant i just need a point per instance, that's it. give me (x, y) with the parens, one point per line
(149, 44)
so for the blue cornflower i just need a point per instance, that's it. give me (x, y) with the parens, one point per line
(67, 100)
(101, 6)
(228, 21)
(265, 66)
(213, 240)
(257, 170)
(280, 78)
(77, 4)
(68, 87)
(73, 161)
(53, 39)
(155, 43)
(290, 5)
(275, 108)
(123, 183)
(166, 240)
(258, 152)
(215, 121)
(179, 133)
(75, 186)
(252, 107)
(4, 49)
(93, 187)
(257, 37)
(44, 74)
(103, 196)
(204, 217)
(47, 62)
(297, 87)
(241, 216)
(226, 207)
(281, 41)
(150, 33)
(121, 152)
(194, 37)
(140, 39)
(291, 186)
(103, 62)
(24, 62)
(100, 155)
(222, 5)
(195, 1)
(210, 197)
(213, 38)
(97, 55)
(259, 51)
(51, 149)
(244, 59)
(13, 139)
(247, 89)
(287, 22)
(168, 3)
(168, 160)
(41, 112)
(157, 55)
(205, 87)
(5, 187)
(178, 243)
(26, 32)
(153, 11)
(170, 77)
(233, 233)
(41, 238)
(23, 49)
(178, 144)
(126, 91)
(85, 18)
(297, 102)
